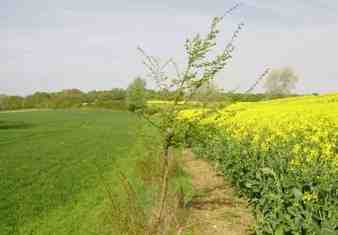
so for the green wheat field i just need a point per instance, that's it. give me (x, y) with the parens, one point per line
(52, 165)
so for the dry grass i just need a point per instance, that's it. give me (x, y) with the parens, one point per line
(126, 211)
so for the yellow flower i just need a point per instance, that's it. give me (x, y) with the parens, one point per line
(307, 196)
(305, 127)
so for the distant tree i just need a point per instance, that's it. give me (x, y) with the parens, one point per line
(136, 95)
(38, 100)
(11, 102)
(2, 101)
(118, 94)
(281, 81)
(68, 98)
(208, 92)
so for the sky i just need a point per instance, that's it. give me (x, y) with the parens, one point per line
(48, 45)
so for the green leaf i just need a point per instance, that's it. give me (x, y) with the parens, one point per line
(248, 185)
(297, 193)
(268, 171)
(280, 229)
(326, 231)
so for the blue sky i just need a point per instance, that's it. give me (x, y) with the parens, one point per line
(50, 45)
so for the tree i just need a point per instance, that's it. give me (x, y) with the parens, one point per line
(281, 81)
(11, 102)
(136, 95)
(118, 94)
(208, 92)
(38, 100)
(203, 64)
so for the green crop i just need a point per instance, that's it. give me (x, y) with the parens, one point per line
(52, 164)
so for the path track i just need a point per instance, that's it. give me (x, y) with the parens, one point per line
(214, 209)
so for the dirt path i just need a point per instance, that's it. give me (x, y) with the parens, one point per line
(214, 209)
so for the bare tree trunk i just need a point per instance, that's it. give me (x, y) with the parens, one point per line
(164, 186)
(164, 189)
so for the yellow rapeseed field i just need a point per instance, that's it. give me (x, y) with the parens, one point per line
(282, 154)
(308, 125)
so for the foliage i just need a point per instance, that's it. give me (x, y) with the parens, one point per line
(72, 98)
(281, 81)
(233, 97)
(201, 69)
(131, 211)
(208, 92)
(287, 164)
(136, 95)
(115, 99)
(11, 102)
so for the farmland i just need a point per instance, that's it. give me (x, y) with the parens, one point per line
(286, 154)
(52, 164)
(55, 164)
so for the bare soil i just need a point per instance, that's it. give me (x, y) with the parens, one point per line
(214, 208)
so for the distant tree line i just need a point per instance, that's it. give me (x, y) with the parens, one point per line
(242, 97)
(71, 98)
(118, 99)
(278, 84)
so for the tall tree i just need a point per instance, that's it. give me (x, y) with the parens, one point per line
(136, 95)
(281, 81)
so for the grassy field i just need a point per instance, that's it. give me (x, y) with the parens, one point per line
(52, 164)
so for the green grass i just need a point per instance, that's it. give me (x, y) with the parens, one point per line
(51, 168)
